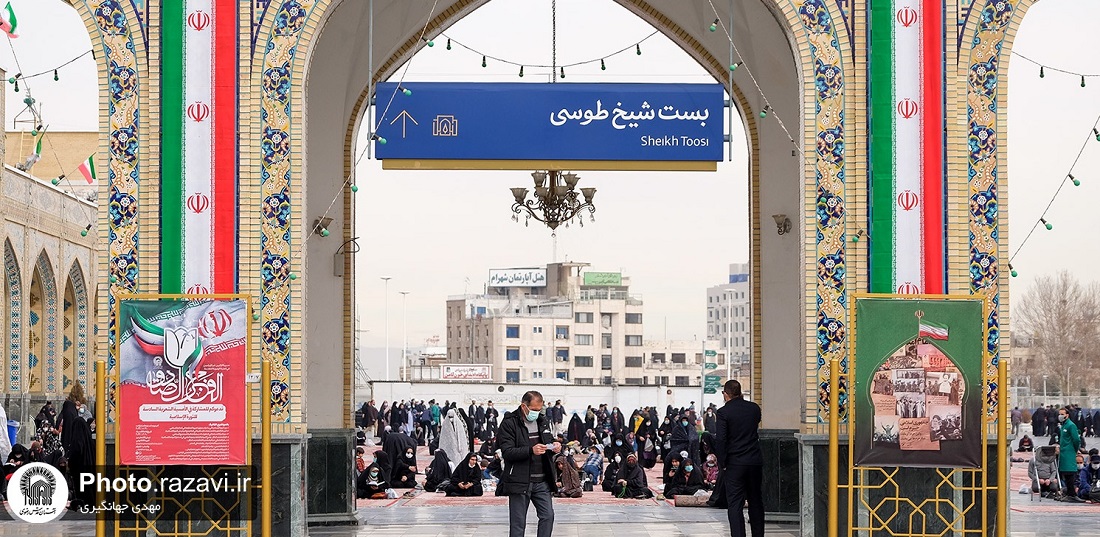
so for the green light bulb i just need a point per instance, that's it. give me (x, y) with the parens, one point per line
(563, 72)
(83, 233)
(521, 71)
(1082, 81)
(483, 63)
(113, 278)
(855, 238)
(293, 276)
(448, 43)
(764, 113)
(11, 80)
(255, 316)
(638, 48)
(1076, 182)
(714, 26)
(1042, 72)
(408, 92)
(733, 67)
(325, 232)
(603, 66)
(431, 43)
(355, 188)
(55, 78)
(1014, 273)
(34, 132)
(381, 140)
(55, 181)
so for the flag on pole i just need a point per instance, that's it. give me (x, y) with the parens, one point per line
(87, 169)
(932, 330)
(38, 147)
(8, 22)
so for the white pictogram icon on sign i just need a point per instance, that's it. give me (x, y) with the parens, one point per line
(405, 117)
(445, 126)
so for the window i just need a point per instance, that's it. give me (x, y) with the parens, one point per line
(660, 381)
(633, 341)
(583, 361)
(562, 355)
(681, 381)
(536, 352)
(633, 318)
(586, 382)
(512, 354)
(511, 331)
(561, 332)
(679, 358)
(564, 375)
(634, 361)
(605, 341)
(606, 380)
(633, 381)
(657, 357)
(584, 317)
(536, 330)
(698, 357)
(605, 362)
(583, 339)
(511, 376)
(536, 374)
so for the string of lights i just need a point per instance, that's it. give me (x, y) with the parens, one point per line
(1043, 69)
(602, 60)
(1068, 179)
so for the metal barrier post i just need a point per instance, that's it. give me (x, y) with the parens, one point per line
(834, 448)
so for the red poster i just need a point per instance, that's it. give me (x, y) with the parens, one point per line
(182, 392)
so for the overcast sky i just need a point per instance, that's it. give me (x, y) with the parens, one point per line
(674, 234)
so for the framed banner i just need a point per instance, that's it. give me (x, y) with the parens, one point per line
(918, 381)
(182, 396)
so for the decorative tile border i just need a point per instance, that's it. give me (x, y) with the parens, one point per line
(80, 299)
(15, 335)
(49, 310)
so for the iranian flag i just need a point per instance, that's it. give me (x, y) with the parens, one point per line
(199, 43)
(907, 146)
(87, 169)
(932, 330)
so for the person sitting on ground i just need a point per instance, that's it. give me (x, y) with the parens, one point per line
(360, 460)
(672, 466)
(438, 474)
(710, 472)
(593, 465)
(1088, 483)
(630, 481)
(614, 464)
(569, 483)
(687, 481)
(372, 483)
(466, 479)
(1043, 471)
(404, 470)
(1026, 444)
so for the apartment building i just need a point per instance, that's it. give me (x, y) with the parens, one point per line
(563, 322)
(729, 320)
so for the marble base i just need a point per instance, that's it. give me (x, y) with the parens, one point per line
(329, 477)
(916, 483)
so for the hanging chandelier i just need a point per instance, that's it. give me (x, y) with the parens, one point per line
(555, 200)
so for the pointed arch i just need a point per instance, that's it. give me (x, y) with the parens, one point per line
(74, 339)
(13, 299)
(42, 349)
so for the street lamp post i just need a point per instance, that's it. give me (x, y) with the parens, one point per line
(407, 376)
(386, 311)
(1044, 389)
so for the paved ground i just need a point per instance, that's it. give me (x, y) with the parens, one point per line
(597, 514)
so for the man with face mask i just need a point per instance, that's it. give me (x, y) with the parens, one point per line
(529, 474)
(1069, 441)
(737, 444)
(1088, 482)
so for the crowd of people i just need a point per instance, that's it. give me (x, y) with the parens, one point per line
(61, 440)
(1064, 468)
(604, 449)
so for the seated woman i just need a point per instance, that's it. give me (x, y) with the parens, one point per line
(672, 467)
(630, 481)
(569, 483)
(1026, 444)
(466, 479)
(612, 472)
(710, 472)
(438, 474)
(1043, 471)
(404, 472)
(687, 481)
(372, 483)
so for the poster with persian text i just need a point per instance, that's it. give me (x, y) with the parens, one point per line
(918, 382)
(182, 391)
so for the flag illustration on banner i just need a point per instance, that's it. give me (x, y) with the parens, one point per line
(199, 146)
(932, 330)
(87, 169)
(907, 147)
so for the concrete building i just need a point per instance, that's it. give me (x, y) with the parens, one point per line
(48, 301)
(729, 320)
(566, 323)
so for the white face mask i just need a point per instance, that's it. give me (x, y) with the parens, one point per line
(618, 458)
(1096, 466)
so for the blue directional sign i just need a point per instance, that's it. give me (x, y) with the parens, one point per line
(562, 122)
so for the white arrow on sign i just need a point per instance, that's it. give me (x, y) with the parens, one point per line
(405, 117)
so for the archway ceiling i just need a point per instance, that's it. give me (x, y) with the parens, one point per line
(762, 41)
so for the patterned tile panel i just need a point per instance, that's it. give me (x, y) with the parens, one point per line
(15, 334)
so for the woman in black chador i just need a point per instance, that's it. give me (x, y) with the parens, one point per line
(631, 482)
(466, 478)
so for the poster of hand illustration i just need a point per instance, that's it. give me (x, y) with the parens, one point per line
(918, 382)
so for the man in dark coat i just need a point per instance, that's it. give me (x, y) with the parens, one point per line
(1039, 422)
(529, 475)
(737, 444)
(492, 419)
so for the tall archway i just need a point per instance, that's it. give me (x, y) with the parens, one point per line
(42, 337)
(74, 339)
(13, 302)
